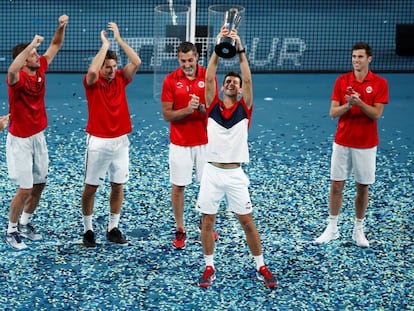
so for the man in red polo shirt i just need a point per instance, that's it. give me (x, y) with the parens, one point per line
(109, 122)
(26, 148)
(358, 101)
(183, 105)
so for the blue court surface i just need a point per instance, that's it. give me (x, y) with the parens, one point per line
(290, 146)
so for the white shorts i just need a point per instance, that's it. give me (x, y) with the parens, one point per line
(27, 159)
(182, 160)
(346, 161)
(106, 155)
(220, 183)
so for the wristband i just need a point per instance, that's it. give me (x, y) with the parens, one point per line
(241, 51)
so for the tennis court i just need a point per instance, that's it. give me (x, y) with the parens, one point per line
(290, 144)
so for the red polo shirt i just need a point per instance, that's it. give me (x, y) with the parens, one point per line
(355, 129)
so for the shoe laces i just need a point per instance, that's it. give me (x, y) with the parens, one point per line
(16, 236)
(29, 227)
(265, 272)
(359, 230)
(89, 235)
(208, 273)
(179, 235)
(116, 232)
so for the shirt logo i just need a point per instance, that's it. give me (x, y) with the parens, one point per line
(369, 89)
(201, 84)
(179, 85)
(349, 90)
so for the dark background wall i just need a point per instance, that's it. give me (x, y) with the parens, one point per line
(291, 36)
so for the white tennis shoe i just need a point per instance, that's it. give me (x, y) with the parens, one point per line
(359, 237)
(331, 233)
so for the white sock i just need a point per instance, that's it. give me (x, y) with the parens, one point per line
(12, 227)
(113, 221)
(209, 260)
(333, 220)
(359, 222)
(87, 222)
(25, 218)
(259, 261)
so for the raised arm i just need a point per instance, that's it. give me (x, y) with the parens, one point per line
(14, 68)
(57, 39)
(211, 87)
(247, 86)
(131, 68)
(93, 71)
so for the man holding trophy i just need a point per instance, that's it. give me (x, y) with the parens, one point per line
(223, 177)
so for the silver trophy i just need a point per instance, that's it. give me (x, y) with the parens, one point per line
(226, 46)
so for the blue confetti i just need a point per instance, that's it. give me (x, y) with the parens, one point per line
(290, 143)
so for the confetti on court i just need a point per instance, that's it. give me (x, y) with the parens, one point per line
(289, 167)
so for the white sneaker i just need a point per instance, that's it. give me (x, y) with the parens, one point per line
(14, 240)
(29, 232)
(359, 237)
(331, 233)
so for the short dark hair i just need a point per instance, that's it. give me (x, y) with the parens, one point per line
(362, 46)
(186, 47)
(233, 74)
(18, 48)
(111, 55)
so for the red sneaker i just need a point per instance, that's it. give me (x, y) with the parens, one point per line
(208, 277)
(179, 241)
(266, 276)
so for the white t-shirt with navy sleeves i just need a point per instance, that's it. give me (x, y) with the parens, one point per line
(228, 132)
